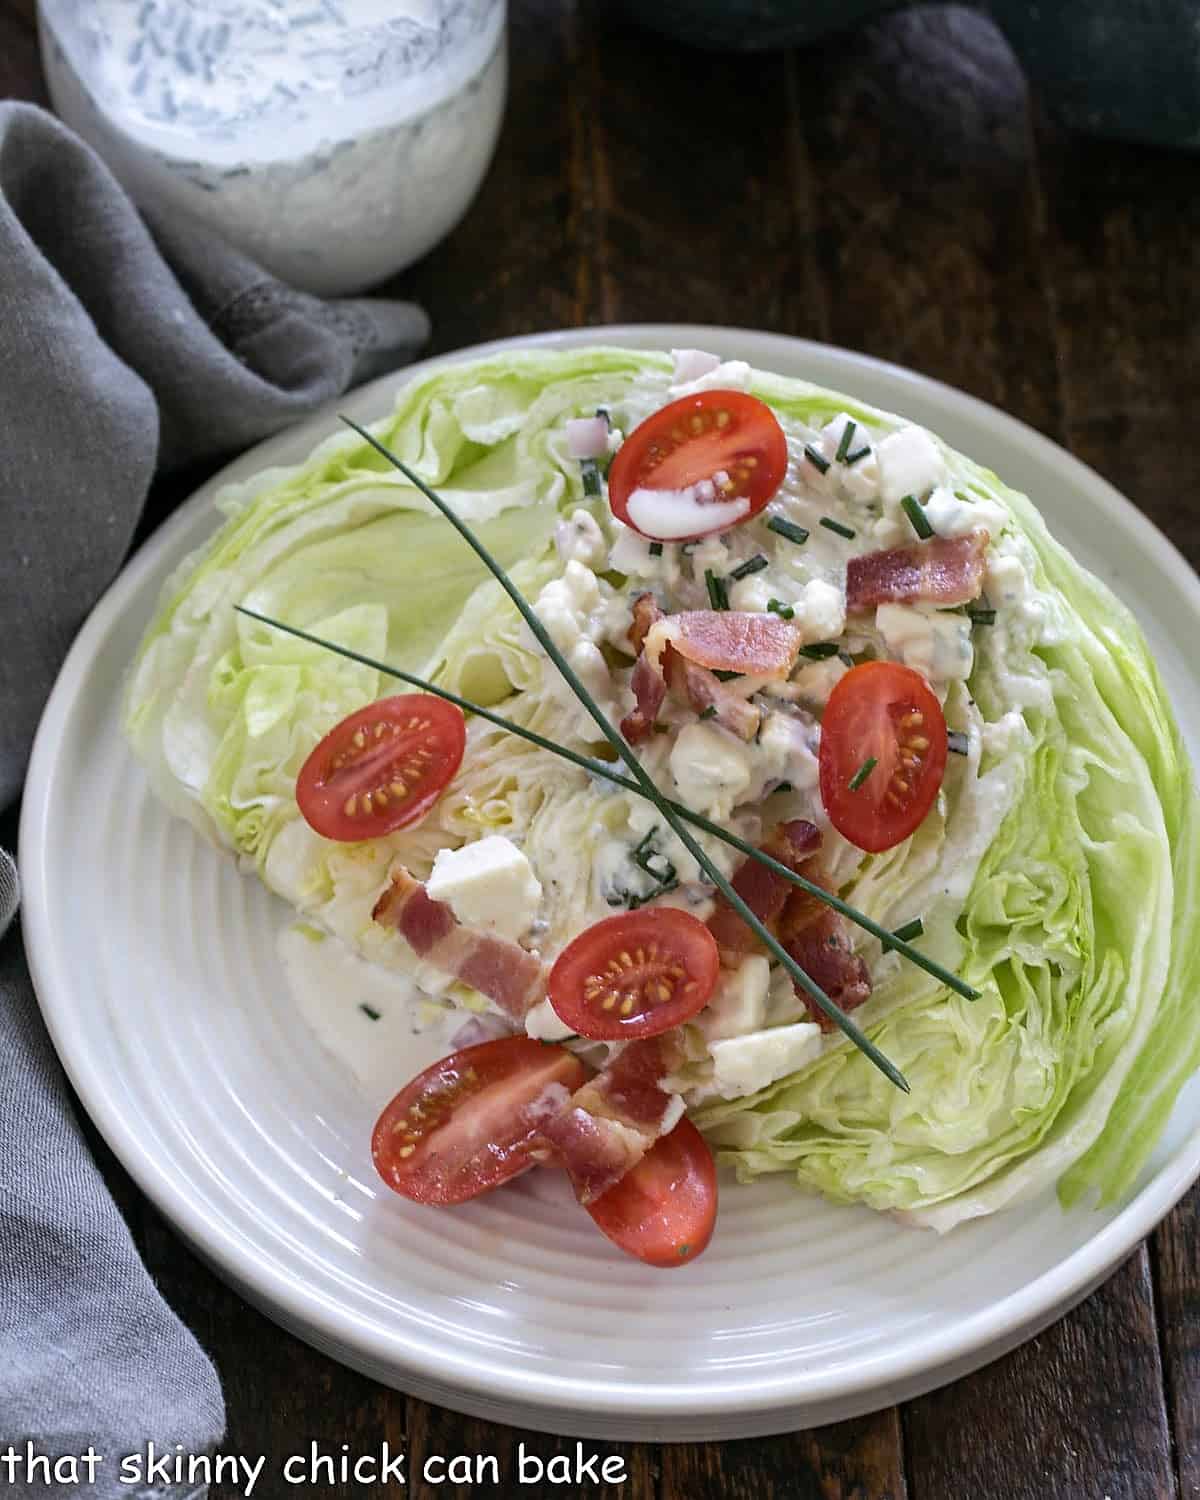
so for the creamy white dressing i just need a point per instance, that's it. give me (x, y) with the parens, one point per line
(674, 515)
(334, 142)
(335, 990)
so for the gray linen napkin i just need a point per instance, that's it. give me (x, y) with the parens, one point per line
(121, 354)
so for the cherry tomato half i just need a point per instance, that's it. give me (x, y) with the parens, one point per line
(664, 1209)
(691, 441)
(885, 713)
(460, 1127)
(634, 975)
(382, 768)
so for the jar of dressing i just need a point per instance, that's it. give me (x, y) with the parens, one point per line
(334, 141)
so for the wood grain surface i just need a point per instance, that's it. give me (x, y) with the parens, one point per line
(897, 191)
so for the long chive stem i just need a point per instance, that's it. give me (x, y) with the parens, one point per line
(607, 772)
(543, 638)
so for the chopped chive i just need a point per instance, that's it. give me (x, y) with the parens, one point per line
(659, 890)
(642, 855)
(723, 676)
(982, 616)
(853, 458)
(710, 712)
(910, 930)
(845, 658)
(862, 773)
(820, 650)
(957, 742)
(911, 507)
(788, 529)
(662, 729)
(754, 565)
(818, 460)
(778, 607)
(784, 786)
(847, 438)
(591, 476)
(718, 595)
(905, 934)
(655, 549)
(831, 525)
(369, 1010)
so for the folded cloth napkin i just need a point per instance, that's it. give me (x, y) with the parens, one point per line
(122, 353)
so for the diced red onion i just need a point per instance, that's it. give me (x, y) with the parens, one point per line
(587, 437)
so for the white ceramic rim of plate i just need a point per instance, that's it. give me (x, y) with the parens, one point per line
(915, 1363)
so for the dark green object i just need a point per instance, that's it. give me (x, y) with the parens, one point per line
(1124, 68)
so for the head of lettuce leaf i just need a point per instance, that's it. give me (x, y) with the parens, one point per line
(1074, 917)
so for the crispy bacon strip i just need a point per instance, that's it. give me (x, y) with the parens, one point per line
(649, 687)
(506, 973)
(730, 640)
(701, 643)
(699, 689)
(818, 938)
(649, 691)
(944, 570)
(607, 1126)
(646, 614)
(764, 891)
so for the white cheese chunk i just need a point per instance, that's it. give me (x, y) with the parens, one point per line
(820, 611)
(950, 516)
(728, 375)
(935, 643)
(860, 480)
(742, 1065)
(712, 769)
(579, 539)
(692, 364)
(566, 605)
(909, 464)
(750, 594)
(543, 1025)
(488, 884)
(786, 751)
(739, 1002)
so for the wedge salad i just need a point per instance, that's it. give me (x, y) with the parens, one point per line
(752, 774)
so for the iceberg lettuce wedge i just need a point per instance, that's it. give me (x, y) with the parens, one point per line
(1058, 873)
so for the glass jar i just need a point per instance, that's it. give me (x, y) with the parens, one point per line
(335, 141)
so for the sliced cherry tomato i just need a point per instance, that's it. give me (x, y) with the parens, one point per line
(382, 768)
(663, 1210)
(460, 1128)
(884, 713)
(634, 975)
(690, 442)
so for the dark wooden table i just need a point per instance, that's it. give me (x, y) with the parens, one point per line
(896, 191)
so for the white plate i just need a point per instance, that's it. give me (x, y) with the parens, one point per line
(156, 967)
